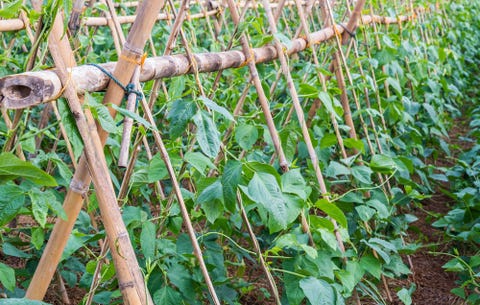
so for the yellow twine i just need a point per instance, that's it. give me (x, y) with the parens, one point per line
(60, 93)
(139, 62)
(336, 31)
(250, 58)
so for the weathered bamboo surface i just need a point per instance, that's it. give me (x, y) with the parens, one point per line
(32, 88)
(17, 24)
(10, 25)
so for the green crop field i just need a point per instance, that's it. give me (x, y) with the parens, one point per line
(288, 152)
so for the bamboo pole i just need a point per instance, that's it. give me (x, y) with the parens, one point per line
(128, 272)
(31, 88)
(81, 180)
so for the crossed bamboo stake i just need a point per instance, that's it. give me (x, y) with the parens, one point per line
(92, 163)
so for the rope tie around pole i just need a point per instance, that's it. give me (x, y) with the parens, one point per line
(352, 34)
(129, 89)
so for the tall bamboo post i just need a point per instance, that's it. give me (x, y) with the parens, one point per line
(131, 55)
(128, 272)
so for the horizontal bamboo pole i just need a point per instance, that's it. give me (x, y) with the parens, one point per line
(33, 88)
(9, 25)
(102, 21)
(17, 24)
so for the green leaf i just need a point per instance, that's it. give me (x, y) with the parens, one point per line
(41, 202)
(371, 265)
(231, 177)
(246, 136)
(318, 291)
(39, 207)
(454, 265)
(293, 183)
(364, 212)
(147, 239)
(199, 161)
(134, 116)
(101, 113)
(12, 199)
(12, 167)
(327, 102)
(208, 136)
(284, 40)
(180, 277)
(176, 88)
(12, 10)
(211, 200)
(382, 164)
(328, 140)
(307, 90)
(264, 189)
(333, 211)
(404, 296)
(11, 250)
(362, 174)
(76, 241)
(355, 144)
(395, 85)
(38, 238)
(70, 127)
(7, 277)
(217, 108)
(351, 276)
(336, 169)
(180, 113)
(156, 169)
(256, 167)
(167, 296)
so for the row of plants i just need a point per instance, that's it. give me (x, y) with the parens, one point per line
(416, 78)
(462, 223)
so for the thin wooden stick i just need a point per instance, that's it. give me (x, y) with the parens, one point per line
(183, 208)
(256, 246)
(128, 122)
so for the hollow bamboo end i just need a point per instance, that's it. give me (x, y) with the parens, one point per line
(27, 90)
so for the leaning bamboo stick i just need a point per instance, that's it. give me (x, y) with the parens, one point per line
(131, 284)
(28, 89)
(81, 179)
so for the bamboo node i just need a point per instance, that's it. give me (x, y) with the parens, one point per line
(79, 187)
(126, 285)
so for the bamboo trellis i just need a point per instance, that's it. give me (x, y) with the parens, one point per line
(33, 88)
